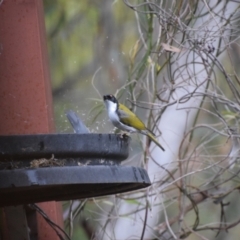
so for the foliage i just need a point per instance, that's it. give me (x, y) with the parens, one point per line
(178, 55)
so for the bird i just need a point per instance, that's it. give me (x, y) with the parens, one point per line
(124, 119)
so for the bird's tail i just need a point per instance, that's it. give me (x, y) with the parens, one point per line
(153, 138)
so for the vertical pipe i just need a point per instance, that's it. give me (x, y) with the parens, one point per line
(25, 91)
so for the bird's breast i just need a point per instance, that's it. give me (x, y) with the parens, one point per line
(113, 117)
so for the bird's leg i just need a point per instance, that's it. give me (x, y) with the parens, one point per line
(124, 134)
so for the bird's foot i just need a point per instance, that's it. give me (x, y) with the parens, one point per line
(124, 135)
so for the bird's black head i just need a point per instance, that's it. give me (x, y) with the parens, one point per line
(110, 97)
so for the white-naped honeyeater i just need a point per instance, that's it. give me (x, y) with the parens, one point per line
(124, 119)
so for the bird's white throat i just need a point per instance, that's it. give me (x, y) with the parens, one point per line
(112, 110)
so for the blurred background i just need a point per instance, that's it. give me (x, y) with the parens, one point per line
(103, 47)
(89, 42)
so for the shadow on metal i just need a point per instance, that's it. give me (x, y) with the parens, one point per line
(45, 167)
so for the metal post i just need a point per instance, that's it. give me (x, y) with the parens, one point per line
(25, 91)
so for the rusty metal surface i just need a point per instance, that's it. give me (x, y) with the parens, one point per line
(25, 91)
(25, 88)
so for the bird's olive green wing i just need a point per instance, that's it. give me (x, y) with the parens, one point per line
(129, 118)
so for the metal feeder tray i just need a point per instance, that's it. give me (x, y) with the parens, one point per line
(46, 167)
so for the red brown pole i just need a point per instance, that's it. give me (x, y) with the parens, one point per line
(25, 91)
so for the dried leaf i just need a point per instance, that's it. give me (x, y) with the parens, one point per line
(170, 48)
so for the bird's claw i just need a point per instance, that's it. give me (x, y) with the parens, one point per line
(124, 135)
